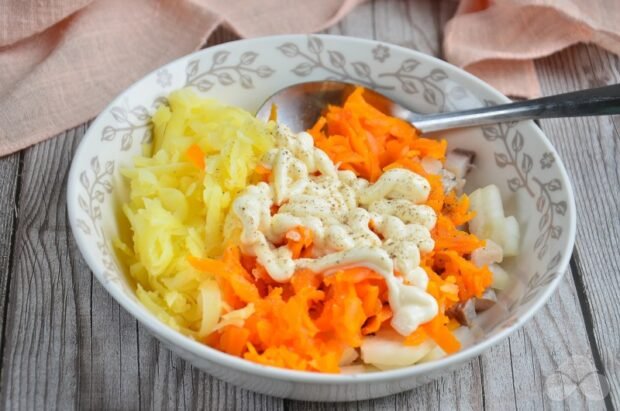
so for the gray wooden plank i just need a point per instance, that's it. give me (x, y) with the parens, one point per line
(9, 176)
(555, 338)
(411, 24)
(168, 382)
(37, 341)
(590, 148)
(50, 338)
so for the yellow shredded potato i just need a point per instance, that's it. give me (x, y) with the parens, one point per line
(175, 208)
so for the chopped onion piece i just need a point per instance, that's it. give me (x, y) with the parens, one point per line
(348, 356)
(501, 278)
(459, 162)
(463, 334)
(431, 165)
(211, 305)
(490, 223)
(386, 350)
(489, 254)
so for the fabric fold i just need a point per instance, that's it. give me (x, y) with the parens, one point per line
(63, 60)
(498, 40)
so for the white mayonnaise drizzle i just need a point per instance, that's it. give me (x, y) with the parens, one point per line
(340, 210)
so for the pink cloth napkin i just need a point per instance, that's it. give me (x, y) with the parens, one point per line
(498, 40)
(62, 61)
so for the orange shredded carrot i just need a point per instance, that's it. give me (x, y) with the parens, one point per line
(438, 330)
(471, 280)
(363, 139)
(369, 294)
(359, 138)
(306, 323)
(273, 112)
(230, 273)
(316, 129)
(303, 324)
(456, 208)
(263, 172)
(374, 323)
(299, 241)
(278, 357)
(195, 154)
(417, 337)
(233, 340)
(448, 237)
(207, 265)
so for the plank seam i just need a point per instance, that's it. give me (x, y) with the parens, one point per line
(139, 372)
(438, 26)
(13, 246)
(481, 368)
(588, 318)
(512, 373)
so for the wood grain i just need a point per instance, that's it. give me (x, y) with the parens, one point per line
(590, 148)
(68, 345)
(38, 335)
(9, 181)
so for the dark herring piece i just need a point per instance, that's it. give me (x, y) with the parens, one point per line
(464, 312)
(486, 301)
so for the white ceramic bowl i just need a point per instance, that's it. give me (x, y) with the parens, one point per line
(516, 157)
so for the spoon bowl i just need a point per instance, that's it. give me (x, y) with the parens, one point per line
(300, 105)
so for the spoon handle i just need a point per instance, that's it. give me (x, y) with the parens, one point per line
(591, 102)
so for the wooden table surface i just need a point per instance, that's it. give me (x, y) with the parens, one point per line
(67, 344)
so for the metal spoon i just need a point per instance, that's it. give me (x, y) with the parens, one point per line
(300, 105)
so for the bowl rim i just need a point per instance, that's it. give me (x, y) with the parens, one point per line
(160, 330)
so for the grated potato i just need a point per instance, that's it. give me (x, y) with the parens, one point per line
(176, 209)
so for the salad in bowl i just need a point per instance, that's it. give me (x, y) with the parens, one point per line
(351, 260)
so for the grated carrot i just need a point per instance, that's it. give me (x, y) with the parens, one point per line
(303, 324)
(448, 237)
(306, 323)
(417, 337)
(197, 157)
(456, 208)
(263, 172)
(438, 330)
(273, 112)
(299, 241)
(363, 139)
(233, 340)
